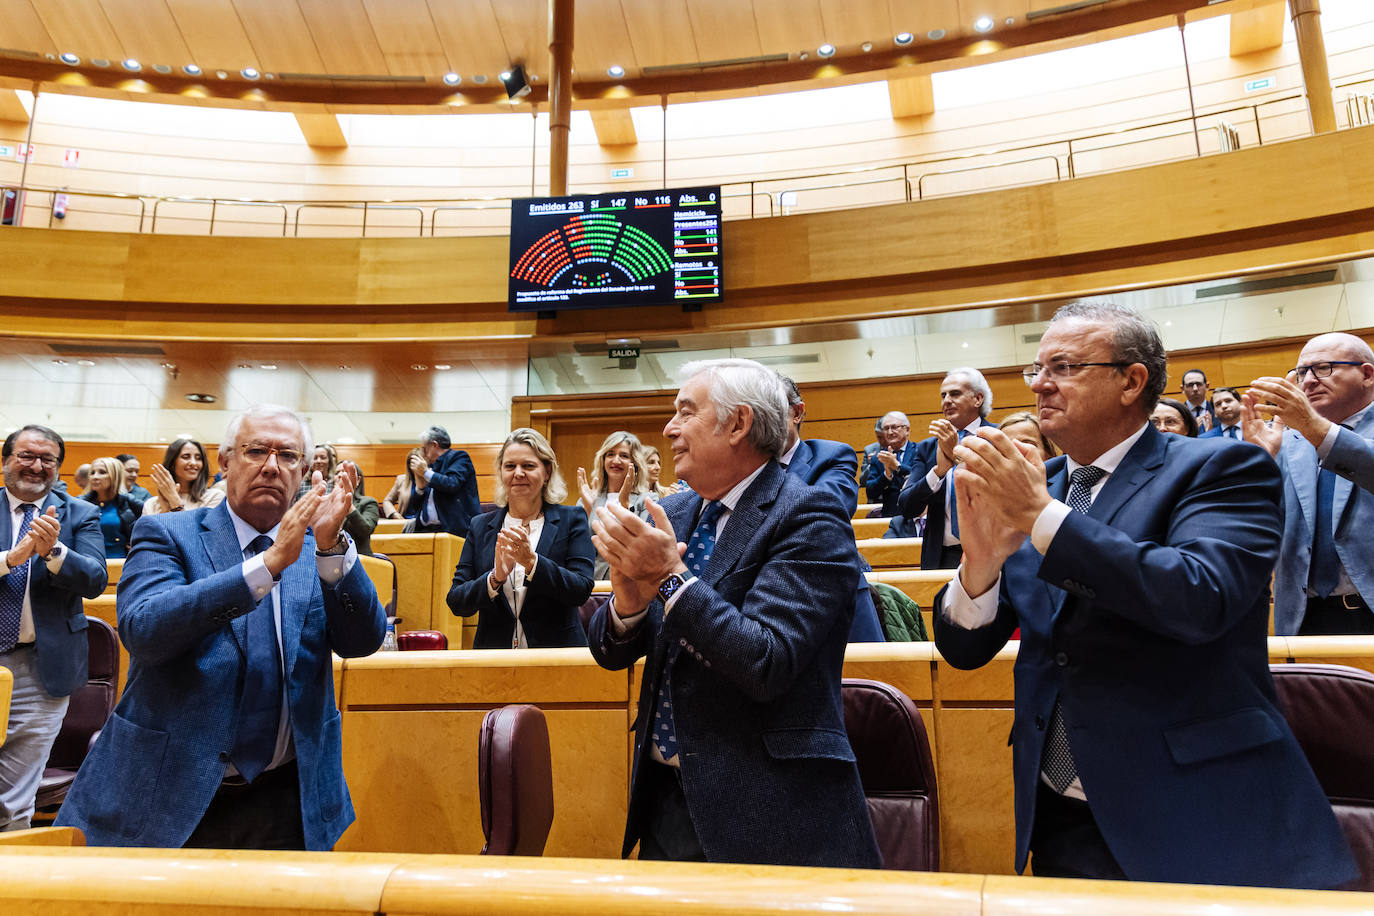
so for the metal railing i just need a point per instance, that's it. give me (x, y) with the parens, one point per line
(1067, 157)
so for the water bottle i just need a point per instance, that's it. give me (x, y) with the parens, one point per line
(389, 640)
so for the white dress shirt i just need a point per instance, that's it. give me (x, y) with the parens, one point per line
(514, 587)
(936, 483)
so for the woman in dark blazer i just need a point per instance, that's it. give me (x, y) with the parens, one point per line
(526, 568)
(118, 510)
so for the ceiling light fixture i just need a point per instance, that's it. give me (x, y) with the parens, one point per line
(270, 367)
(249, 73)
(201, 398)
(866, 47)
(516, 84)
(442, 367)
(191, 70)
(419, 367)
(935, 34)
(99, 62)
(983, 24)
(452, 79)
(826, 50)
(480, 79)
(161, 68)
(69, 58)
(903, 38)
(616, 71)
(85, 362)
(132, 65)
(59, 362)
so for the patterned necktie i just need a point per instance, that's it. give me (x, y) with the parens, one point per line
(255, 739)
(12, 589)
(1057, 762)
(699, 549)
(953, 501)
(1325, 573)
(1233, 432)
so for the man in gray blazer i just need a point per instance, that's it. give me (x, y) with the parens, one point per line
(1323, 438)
(53, 557)
(227, 735)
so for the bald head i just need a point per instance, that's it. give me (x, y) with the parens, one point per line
(1349, 385)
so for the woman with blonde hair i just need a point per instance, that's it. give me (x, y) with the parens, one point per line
(403, 500)
(118, 510)
(1026, 427)
(653, 464)
(620, 457)
(526, 567)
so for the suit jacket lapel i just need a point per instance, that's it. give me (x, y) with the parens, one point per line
(746, 519)
(1302, 473)
(1135, 470)
(296, 590)
(549, 534)
(801, 461)
(1344, 487)
(222, 547)
(6, 532)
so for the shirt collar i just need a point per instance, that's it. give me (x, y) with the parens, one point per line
(1112, 457)
(246, 532)
(972, 428)
(16, 502)
(786, 457)
(731, 499)
(1354, 419)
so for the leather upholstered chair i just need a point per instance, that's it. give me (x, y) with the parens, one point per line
(89, 708)
(588, 609)
(1330, 709)
(420, 640)
(898, 773)
(515, 781)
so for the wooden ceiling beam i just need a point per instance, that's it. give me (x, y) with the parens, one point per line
(11, 109)
(614, 127)
(1259, 28)
(321, 131)
(911, 95)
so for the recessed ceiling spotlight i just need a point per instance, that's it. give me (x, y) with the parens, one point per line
(983, 24)
(161, 68)
(99, 62)
(1010, 20)
(85, 362)
(826, 50)
(803, 55)
(249, 73)
(504, 75)
(935, 34)
(418, 367)
(201, 398)
(69, 58)
(452, 79)
(866, 47)
(964, 345)
(174, 365)
(616, 71)
(221, 75)
(191, 70)
(344, 367)
(903, 38)
(442, 367)
(270, 367)
(480, 79)
(59, 362)
(241, 366)
(132, 65)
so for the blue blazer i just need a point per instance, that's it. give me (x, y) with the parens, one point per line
(918, 497)
(1146, 619)
(830, 467)
(181, 606)
(1215, 433)
(59, 622)
(453, 488)
(562, 581)
(882, 490)
(767, 769)
(1352, 460)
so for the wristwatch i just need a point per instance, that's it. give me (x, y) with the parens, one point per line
(672, 585)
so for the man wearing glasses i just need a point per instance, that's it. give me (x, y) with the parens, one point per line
(1321, 437)
(888, 470)
(227, 735)
(1146, 743)
(54, 557)
(1195, 393)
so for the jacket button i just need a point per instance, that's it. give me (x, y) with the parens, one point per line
(1040, 723)
(682, 641)
(698, 656)
(1061, 658)
(223, 757)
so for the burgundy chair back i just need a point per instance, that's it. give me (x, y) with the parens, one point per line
(515, 781)
(898, 773)
(588, 609)
(1330, 709)
(421, 640)
(89, 708)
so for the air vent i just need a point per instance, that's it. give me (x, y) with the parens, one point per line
(350, 77)
(15, 52)
(1061, 10)
(804, 359)
(108, 349)
(715, 64)
(1032, 338)
(1267, 284)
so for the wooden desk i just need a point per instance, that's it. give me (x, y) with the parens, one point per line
(390, 526)
(865, 528)
(424, 571)
(889, 553)
(6, 691)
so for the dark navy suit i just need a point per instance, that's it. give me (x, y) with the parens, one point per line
(562, 581)
(1146, 618)
(767, 770)
(882, 490)
(918, 497)
(830, 466)
(453, 490)
(182, 605)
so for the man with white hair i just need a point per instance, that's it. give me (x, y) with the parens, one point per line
(738, 597)
(965, 402)
(227, 735)
(888, 469)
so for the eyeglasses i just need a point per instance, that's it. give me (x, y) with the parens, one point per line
(1320, 370)
(1194, 384)
(48, 461)
(1059, 370)
(287, 459)
(893, 429)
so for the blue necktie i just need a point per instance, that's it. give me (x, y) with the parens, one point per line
(953, 501)
(699, 549)
(12, 589)
(255, 740)
(1233, 432)
(1325, 574)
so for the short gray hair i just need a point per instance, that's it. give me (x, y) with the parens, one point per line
(978, 384)
(738, 382)
(1135, 339)
(437, 435)
(230, 441)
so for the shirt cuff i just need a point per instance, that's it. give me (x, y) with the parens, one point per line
(934, 481)
(335, 566)
(59, 554)
(1329, 442)
(429, 473)
(257, 577)
(1047, 524)
(623, 626)
(966, 612)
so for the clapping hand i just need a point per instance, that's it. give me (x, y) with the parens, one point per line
(1268, 436)
(586, 495)
(39, 541)
(640, 555)
(1290, 408)
(334, 506)
(166, 487)
(947, 439)
(516, 542)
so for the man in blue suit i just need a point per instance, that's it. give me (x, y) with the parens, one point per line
(1147, 743)
(965, 402)
(450, 501)
(888, 469)
(227, 735)
(830, 466)
(1195, 395)
(1323, 438)
(1227, 410)
(741, 753)
(54, 556)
